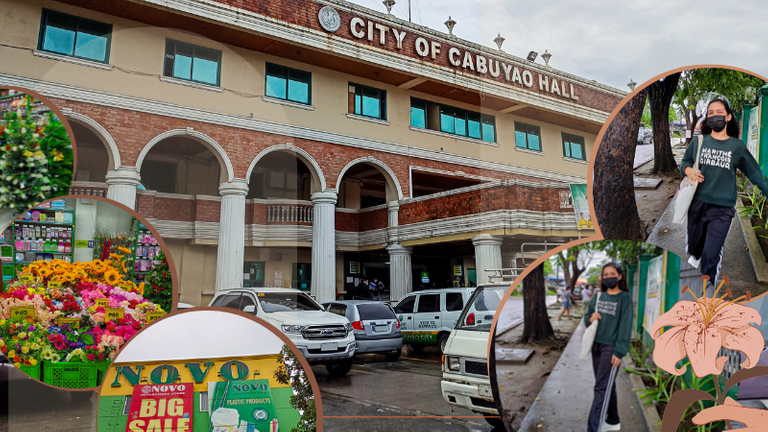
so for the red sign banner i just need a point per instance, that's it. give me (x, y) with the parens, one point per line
(161, 408)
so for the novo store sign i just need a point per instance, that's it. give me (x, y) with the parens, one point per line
(233, 370)
(381, 34)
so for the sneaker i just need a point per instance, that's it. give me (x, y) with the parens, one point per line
(610, 427)
(694, 262)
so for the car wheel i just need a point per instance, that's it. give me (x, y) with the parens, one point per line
(339, 369)
(417, 348)
(392, 356)
(441, 341)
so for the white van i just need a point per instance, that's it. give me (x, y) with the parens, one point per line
(465, 357)
(427, 317)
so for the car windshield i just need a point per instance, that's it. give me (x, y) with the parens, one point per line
(289, 301)
(479, 311)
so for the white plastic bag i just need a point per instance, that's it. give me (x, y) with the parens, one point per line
(684, 194)
(588, 338)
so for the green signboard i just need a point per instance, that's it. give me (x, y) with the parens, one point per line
(241, 406)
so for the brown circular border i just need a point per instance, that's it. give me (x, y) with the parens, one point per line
(304, 364)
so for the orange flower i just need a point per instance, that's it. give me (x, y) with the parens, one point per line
(754, 419)
(700, 328)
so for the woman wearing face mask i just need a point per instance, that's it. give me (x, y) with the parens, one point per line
(613, 307)
(713, 206)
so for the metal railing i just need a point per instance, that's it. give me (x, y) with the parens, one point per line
(508, 274)
(289, 213)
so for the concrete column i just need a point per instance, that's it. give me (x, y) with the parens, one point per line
(487, 256)
(400, 271)
(122, 184)
(393, 209)
(231, 249)
(324, 246)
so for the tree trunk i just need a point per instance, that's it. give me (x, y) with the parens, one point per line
(536, 325)
(659, 98)
(613, 189)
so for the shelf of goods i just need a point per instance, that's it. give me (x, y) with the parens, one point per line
(145, 251)
(12, 100)
(40, 234)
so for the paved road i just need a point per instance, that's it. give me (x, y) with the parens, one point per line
(512, 314)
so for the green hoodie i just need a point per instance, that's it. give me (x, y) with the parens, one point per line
(718, 163)
(615, 328)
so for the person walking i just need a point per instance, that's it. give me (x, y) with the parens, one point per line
(613, 307)
(566, 303)
(362, 289)
(586, 296)
(711, 212)
(373, 290)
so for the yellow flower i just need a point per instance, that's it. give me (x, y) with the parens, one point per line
(23, 335)
(11, 354)
(25, 349)
(125, 250)
(58, 156)
(111, 277)
(18, 365)
(2, 342)
(33, 361)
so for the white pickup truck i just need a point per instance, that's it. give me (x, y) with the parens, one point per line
(465, 361)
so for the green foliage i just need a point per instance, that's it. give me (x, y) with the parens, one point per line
(664, 383)
(290, 372)
(36, 160)
(639, 353)
(548, 270)
(703, 384)
(626, 251)
(160, 284)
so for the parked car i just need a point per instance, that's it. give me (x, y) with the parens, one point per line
(427, 317)
(465, 380)
(375, 326)
(644, 136)
(322, 337)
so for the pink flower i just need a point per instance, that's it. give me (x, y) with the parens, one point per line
(700, 328)
(754, 419)
(91, 357)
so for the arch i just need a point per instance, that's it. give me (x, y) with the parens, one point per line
(389, 175)
(318, 179)
(200, 137)
(101, 133)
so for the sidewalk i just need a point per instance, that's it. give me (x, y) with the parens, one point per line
(563, 403)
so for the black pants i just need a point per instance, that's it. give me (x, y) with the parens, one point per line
(601, 364)
(708, 226)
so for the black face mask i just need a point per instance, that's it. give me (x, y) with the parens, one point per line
(611, 282)
(717, 123)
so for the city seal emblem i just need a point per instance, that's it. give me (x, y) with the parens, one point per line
(329, 19)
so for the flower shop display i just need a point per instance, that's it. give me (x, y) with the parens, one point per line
(36, 157)
(64, 322)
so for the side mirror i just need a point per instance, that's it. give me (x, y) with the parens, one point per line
(251, 309)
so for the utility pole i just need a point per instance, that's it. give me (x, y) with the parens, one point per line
(409, 10)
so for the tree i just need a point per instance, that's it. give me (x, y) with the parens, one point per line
(536, 325)
(626, 252)
(660, 95)
(289, 371)
(548, 268)
(613, 189)
(160, 289)
(574, 261)
(738, 87)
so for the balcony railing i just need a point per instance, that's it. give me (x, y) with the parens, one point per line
(88, 188)
(296, 214)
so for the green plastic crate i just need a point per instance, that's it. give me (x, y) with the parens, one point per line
(103, 367)
(71, 374)
(32, 371)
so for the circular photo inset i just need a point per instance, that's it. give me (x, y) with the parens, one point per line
(80, 276)
(209, 369)
(36, 154)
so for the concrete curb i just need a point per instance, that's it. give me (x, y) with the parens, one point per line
(755, 251)
(500, 332)
(650, 415)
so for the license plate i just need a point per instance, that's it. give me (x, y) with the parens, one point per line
(329, 346)
(379, 328)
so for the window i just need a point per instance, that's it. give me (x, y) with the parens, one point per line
(429, 303)
(338, 309)
(127, 405)
(375, 311)
(203, 402)
(456, 121)
(527, 136)
(573, 147)
(406, 305)
(453, 302)
(367, 101)
(159, 176)
(288, 84)
(75, 37)
(231, 301)
(247, 300)
(192, 63)
(253, 274)
(302, 276)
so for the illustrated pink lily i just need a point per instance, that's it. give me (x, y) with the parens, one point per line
(754, 419)
(700, 328)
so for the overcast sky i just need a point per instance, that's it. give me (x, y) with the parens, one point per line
(609, 41)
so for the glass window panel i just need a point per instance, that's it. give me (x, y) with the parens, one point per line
(91, 46)
(276, 87)
(473, 127)
(418, 119)
(533, 142)
(59, 40)
(358, 104)
(371, 107)
(298, 91)
(277, 71)
(205, 70)
(567, 149)
(576, 151)
(461, 126)
(489, 134)
(520, 140)
(299, 76)
(446, 123)
(182, 66)
(92, 28)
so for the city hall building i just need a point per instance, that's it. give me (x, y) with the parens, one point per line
(307, 144)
